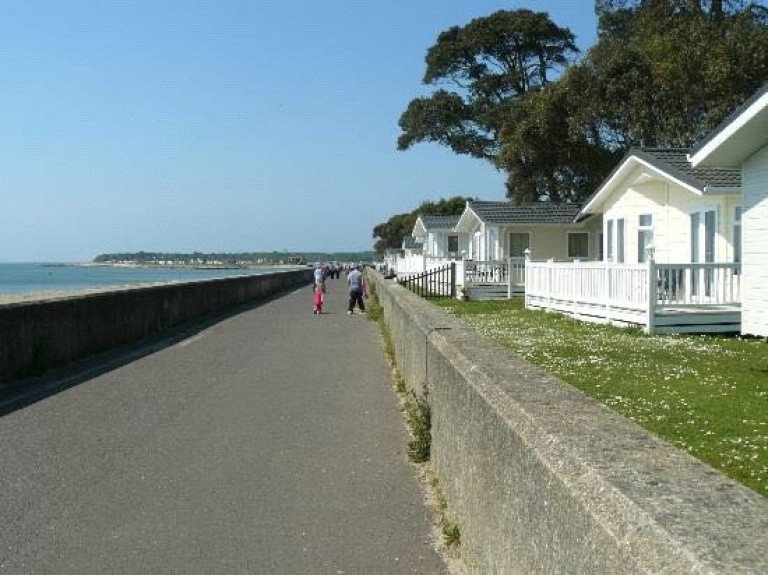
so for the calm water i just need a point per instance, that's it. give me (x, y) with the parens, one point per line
(27, 278)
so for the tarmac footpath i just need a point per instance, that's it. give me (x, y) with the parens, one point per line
(267, 442)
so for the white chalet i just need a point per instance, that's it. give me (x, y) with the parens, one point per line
(501, 230)
(671, 237)
(438, 237)
(741, 142)
(655, 198)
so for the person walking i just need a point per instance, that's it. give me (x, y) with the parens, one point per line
(357, 290)
(318, 299)
(319, 275)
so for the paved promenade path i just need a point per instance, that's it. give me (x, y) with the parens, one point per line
(267, 442)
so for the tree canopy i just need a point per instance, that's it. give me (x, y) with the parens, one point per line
(488, 63)
(390, 234)
(663, 73)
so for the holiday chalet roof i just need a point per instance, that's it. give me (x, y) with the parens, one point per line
(500, 213)
(675, 162)
(672, 163)
(433, 222)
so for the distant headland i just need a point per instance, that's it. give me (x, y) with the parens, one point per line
(227, 260)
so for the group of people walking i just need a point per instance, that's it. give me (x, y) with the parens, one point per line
(357, 288)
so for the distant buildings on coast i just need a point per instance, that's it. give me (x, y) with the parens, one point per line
(222, 260)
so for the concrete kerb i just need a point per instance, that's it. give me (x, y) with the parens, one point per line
(543, 479)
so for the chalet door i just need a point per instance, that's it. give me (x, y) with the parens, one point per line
(703, 233)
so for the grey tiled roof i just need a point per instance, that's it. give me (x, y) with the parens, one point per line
(529, 213)
(674, 161)
(410, 243)
(439, 222)
(731, 117)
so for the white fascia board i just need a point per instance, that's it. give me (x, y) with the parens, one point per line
(466, 218)
(727, 132)
(612, 184)
(419, 231)
(605, 190)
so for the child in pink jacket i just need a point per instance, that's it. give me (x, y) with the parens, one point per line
(319, 298)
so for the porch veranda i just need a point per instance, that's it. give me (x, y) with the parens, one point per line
(662, 298)
(493, 279)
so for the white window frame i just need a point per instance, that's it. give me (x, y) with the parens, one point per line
(621, 240)
(701, 248)
(698, 253)
(617, 242)
(738, 233)
(645, 235)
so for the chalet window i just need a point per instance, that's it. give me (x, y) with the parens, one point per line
(600, 246)
(518, 243)
(710, 228)
(476, 255)
(737, 234)
(453, 244)
(620, 241)
(644, 236)
(703, 231)
(609, 236)
(578, 245)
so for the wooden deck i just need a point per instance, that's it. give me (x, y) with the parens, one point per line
(491, 290)
(700, 319)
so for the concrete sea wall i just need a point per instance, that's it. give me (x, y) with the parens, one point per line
(35, 336)
(543, 479)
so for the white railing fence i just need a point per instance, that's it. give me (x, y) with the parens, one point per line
(418, 263)
(495, 271)
(642, 287)
(696, 284)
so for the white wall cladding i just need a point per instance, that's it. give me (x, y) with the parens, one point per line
(671, 206)
(754, 288)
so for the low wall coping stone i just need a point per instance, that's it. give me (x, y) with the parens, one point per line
(665, 510)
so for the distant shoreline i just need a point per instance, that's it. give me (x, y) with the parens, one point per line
(42, 295)
(133, 265)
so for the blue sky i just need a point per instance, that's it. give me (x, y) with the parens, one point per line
(218, 125)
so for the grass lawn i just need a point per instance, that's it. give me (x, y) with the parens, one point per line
(707, 395)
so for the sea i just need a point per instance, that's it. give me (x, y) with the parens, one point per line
(26, 278)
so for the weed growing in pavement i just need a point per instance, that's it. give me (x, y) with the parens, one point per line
(373, 308)
(708, 395)
(419, 419)
(389, 347)
(446, 532)
(451, 534)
